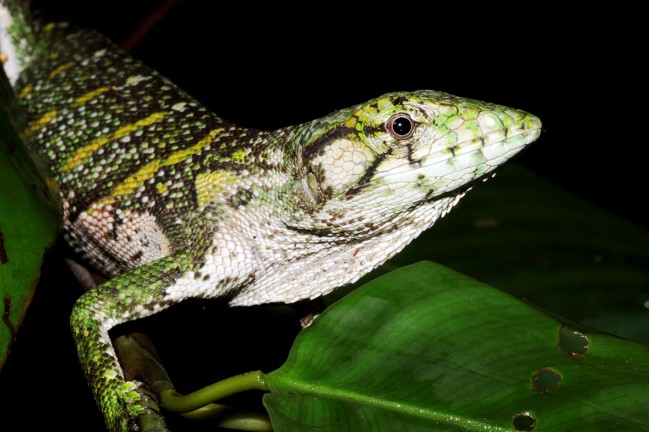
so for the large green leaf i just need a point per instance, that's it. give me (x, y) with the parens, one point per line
(28, 224)
(524, 235)
(425, 348)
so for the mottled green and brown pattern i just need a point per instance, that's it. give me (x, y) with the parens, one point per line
(173, 202)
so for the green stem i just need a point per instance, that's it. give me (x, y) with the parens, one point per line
(174, 401)
(229, 418)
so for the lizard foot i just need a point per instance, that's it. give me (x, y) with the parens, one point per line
(140, 410)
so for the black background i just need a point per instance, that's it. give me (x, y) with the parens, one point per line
(266, 66)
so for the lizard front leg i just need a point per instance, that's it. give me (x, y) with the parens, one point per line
(135, 294)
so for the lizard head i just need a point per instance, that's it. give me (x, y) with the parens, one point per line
(362, 182)
(403, 150)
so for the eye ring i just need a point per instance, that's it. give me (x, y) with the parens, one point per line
(400, 126)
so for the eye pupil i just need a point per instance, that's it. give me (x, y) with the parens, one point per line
(400, 126)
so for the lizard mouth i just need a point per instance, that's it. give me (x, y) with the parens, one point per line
(461, 190)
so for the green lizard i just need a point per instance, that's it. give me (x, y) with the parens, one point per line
(172, 202)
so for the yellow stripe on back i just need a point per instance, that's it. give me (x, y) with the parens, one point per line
(212, 184)
(84, 152)
(49, 116)
(25, 91)
(61, 69)
(38, 124)
(145, 173)
(90, 95)
(183, 154)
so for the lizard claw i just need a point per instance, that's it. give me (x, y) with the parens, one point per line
(142, 407)
(129, 401)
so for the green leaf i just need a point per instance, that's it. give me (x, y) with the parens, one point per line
(558, 251)
(524, 235)
(425, 348)
(28, 225)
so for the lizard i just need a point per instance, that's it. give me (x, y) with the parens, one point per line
(172, 202)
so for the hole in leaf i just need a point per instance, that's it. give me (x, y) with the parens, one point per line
(572, 343)
(524, 422)
(546, 380)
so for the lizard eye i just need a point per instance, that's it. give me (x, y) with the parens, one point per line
(400, 126)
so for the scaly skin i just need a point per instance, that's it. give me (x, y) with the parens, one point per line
(173, 202)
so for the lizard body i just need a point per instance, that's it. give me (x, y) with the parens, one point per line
(173, 202)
